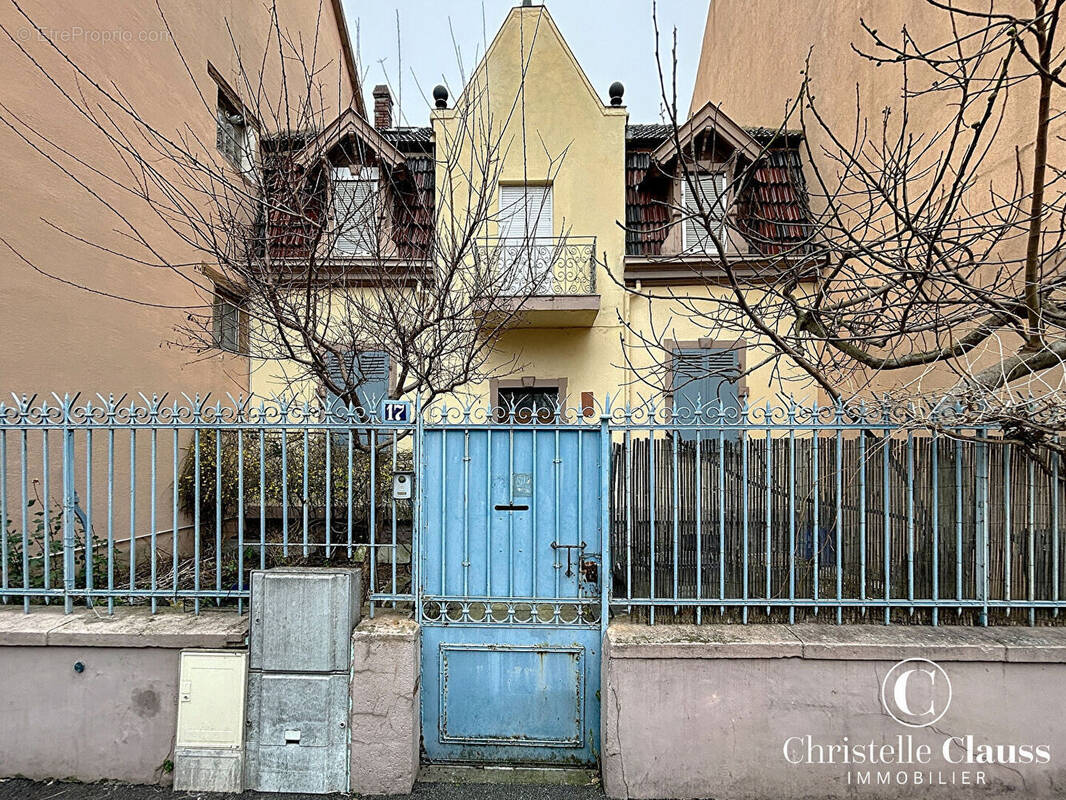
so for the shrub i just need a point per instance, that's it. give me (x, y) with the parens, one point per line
(229, 444)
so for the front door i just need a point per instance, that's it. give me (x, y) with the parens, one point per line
(510, 597)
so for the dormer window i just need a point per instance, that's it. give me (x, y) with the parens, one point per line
(697, 226)
(355, 210)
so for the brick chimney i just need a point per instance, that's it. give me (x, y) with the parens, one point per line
(382, 106)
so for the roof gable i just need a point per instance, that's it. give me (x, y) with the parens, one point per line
(538, 23)
(710, 117)
(352, 123)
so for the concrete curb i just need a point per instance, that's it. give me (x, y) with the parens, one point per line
(127, 627)
(844, 642)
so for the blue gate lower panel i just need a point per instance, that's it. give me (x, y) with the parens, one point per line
(521, 695)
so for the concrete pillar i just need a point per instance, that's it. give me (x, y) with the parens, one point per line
(385, 717)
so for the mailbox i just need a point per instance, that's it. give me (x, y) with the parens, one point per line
(402, 485)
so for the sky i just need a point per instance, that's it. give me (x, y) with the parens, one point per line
(612, 39)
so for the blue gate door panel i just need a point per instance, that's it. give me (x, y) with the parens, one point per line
(509, 591)
(494, 501)
(536, 694)
(506, 694)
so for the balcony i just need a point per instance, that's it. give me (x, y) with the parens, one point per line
(545, 282)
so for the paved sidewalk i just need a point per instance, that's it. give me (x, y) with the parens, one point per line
(19, 789)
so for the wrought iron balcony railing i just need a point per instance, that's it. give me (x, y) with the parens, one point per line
(543, 267)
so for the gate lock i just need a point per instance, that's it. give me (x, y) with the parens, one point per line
(567, 548)
(590, 571)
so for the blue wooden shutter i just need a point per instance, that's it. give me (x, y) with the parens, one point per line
(368, 374)
(373, 371)
(704, 377)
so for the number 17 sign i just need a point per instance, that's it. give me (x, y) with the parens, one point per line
(396, 411)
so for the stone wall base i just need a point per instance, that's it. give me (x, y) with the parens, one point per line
(752, 712)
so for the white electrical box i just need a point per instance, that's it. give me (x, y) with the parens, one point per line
(211, 687)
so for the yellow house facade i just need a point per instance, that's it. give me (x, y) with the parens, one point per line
(596, 206)
(562, 147)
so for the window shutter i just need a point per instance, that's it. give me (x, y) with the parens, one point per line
(712, 187)
(368, 374)
(539, 211)
(704, 378)
(336, 376)
(373, 370)
(354, 209)
(526, 230)
(526, 211)
(512, 212)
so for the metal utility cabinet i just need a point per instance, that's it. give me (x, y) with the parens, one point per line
(207, 748)
(299, 662)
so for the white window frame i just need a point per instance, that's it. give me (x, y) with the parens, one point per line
(723, 202)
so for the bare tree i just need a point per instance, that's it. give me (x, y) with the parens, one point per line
(913, 271)
(327, 241)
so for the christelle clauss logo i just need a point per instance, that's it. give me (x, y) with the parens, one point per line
(916, 692)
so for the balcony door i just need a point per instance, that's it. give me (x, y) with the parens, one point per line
(526, 243)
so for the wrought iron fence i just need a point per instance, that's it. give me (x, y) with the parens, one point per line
(789, 513)
(837, 514)
(148, 502)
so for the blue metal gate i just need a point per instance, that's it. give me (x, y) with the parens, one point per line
(511, 591)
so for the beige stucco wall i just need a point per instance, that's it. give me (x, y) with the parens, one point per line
(78, 331)
(752, 62)
(61, 338)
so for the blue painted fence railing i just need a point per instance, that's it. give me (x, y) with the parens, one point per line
(838, 514)
(842, 514)
(149, 502)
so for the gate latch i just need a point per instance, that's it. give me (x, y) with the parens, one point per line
(567, 548)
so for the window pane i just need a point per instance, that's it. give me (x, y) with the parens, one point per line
(227, 325)
(527, 403)
(231, 131)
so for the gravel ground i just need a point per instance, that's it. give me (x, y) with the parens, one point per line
(19, 789)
